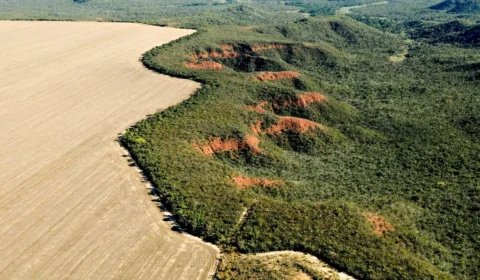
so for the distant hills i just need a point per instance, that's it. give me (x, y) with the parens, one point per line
(454, 32)
(458, 6)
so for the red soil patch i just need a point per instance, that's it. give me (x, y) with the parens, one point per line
(256, 108)
(252, 142)
(245, 182)
(271, 76)
(260, 107)
(214, 54)
(216, 144)
(310, 97)
(268, 47)
(205, 149)
(204, 65)
(226, 47)
(304, 100)
(296, 124)
(256, 128)
(380, 226)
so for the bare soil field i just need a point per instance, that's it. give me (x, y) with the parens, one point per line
(71, 207)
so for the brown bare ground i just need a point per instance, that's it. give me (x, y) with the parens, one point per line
(226, 47)
(308, 98)
(379, 224)
(399, 57)
(295, 124)
(204, 65)
(245, 182)
(70, 206)
(218, 145)
(256, 128)
(268, 47)
(256, 108)
(213, 54)
(271, 76)
(275, 260)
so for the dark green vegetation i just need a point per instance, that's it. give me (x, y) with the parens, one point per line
(402, 139)
(402, 142)
(458, 6)
(158, 12)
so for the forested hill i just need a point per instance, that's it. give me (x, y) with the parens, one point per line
(309, 136)
(314, 132)
(459, 6)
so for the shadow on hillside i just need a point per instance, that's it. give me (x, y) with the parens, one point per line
(152, 191)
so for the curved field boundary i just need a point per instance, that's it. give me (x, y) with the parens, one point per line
(348, 9)
(70, 204)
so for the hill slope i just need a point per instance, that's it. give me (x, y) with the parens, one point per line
(458, 6)
(332, 149)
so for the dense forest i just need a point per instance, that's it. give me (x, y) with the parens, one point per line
(352, 138)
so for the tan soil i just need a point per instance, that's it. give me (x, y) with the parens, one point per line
(246, 182)
(295, 124)
(379, 224)
(268, 47)
(399, 57)
(217, 145)
(70, 206)
(204, 65)
(271, 76)
(348, 9)
(302, 276)
(277, 259)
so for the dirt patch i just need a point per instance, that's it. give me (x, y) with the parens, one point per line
(380, 225)
(218, 145)
(302, 276)
(272, 76)
(226, 47)
(399, 57)
(268, 47)
(296, 124)
(204, 65)
(245, 182)
(213, 54)
(256, 128)
(260, 107)
(256, 108)
(308, 98)
(279, 260)
(252, 142)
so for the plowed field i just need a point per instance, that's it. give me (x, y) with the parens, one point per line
(70, 204)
